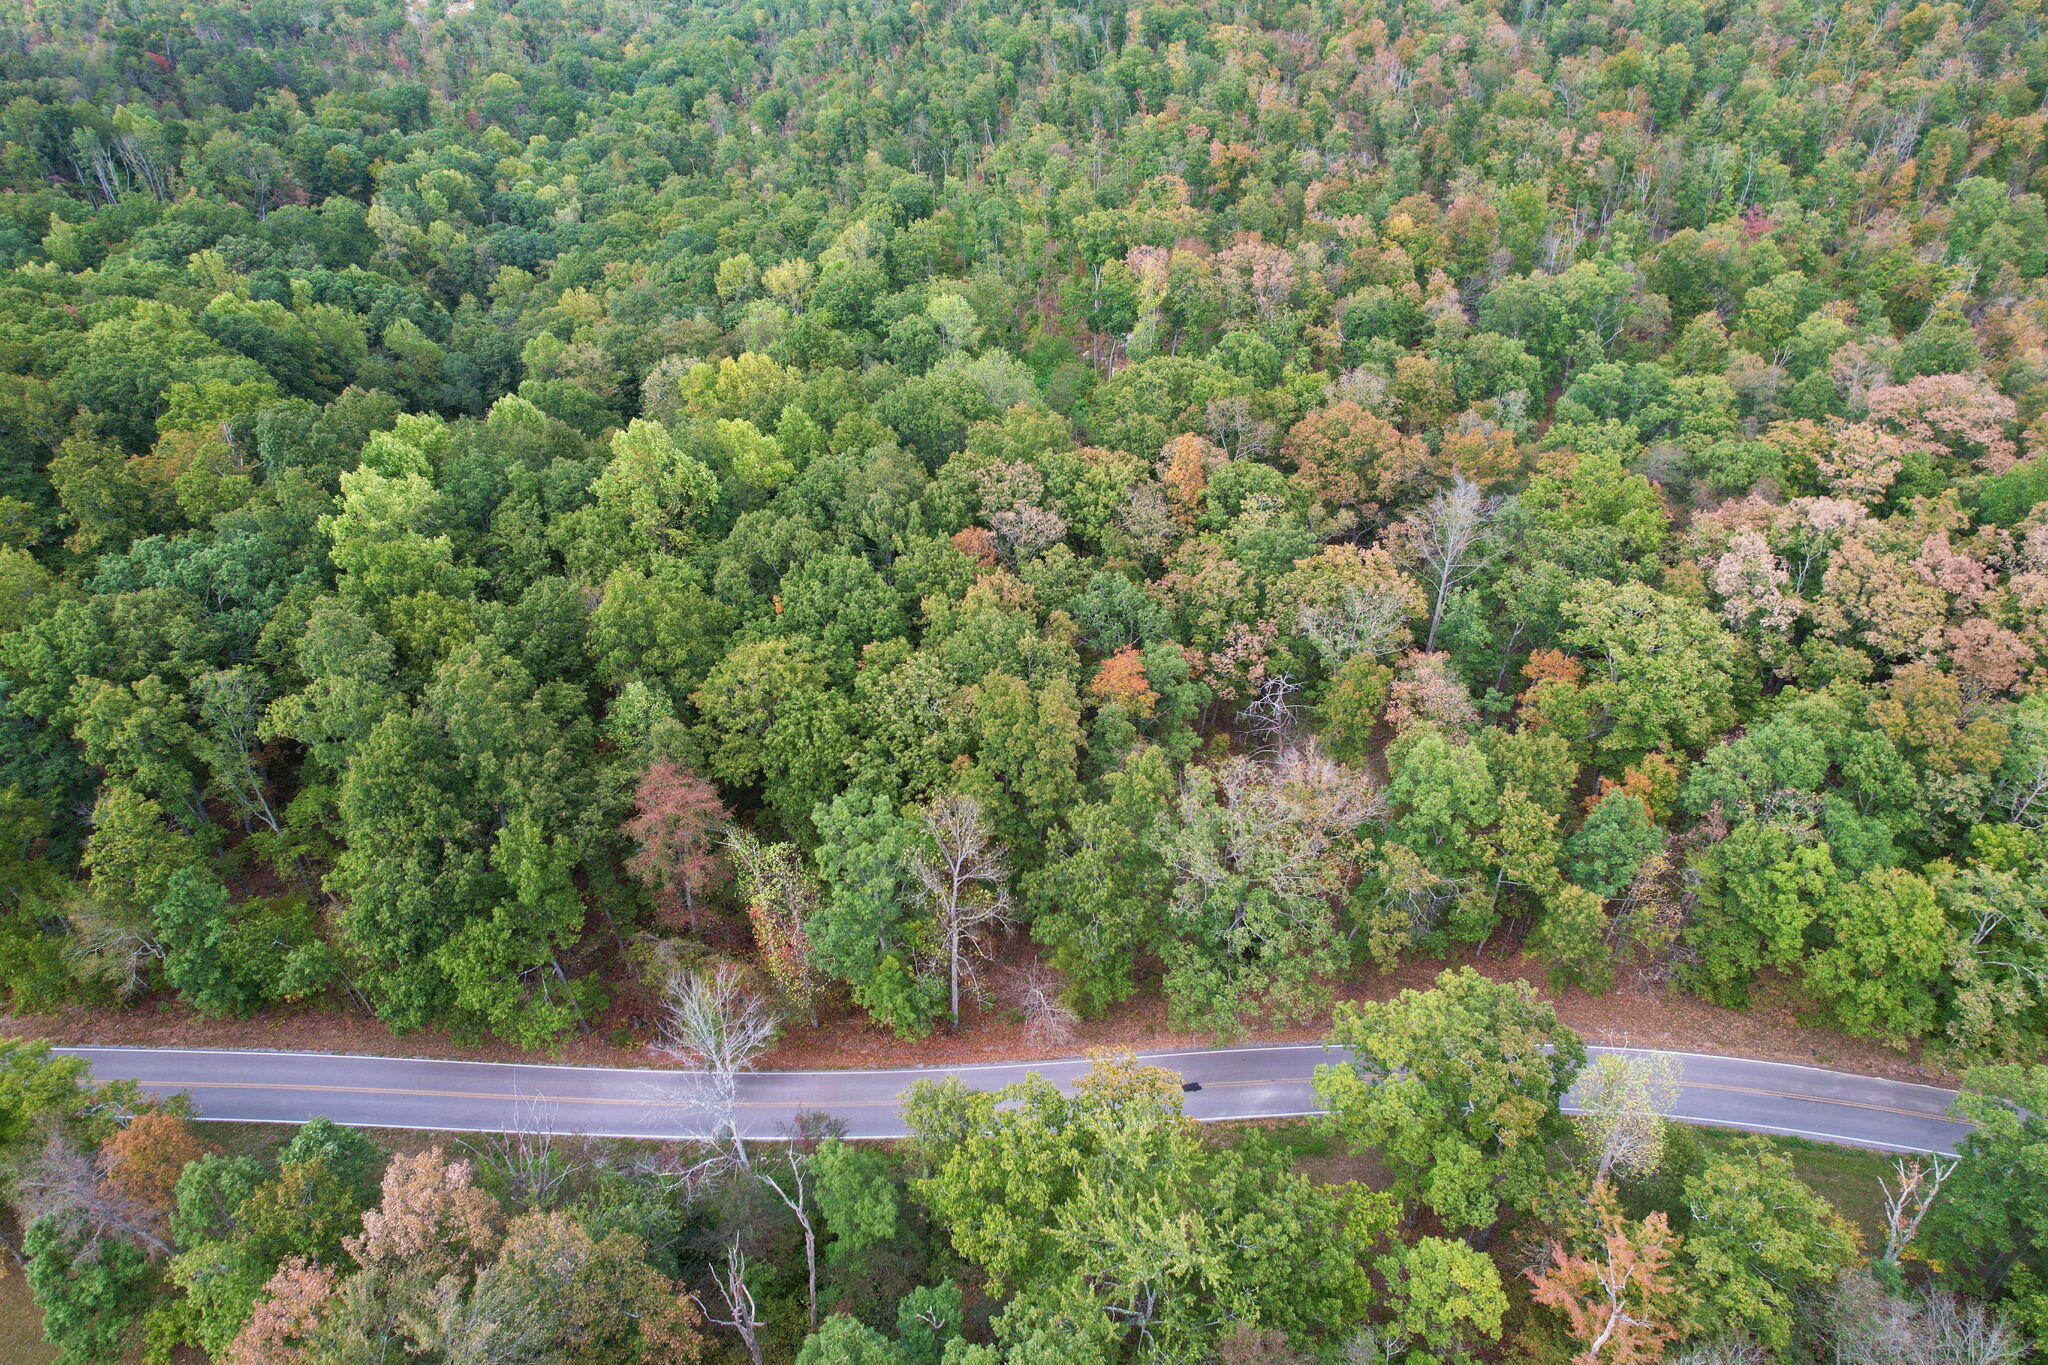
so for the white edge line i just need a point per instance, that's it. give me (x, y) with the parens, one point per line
(78, 1049)
(1761, 1128)
(81, 1049)
(1765, 1061)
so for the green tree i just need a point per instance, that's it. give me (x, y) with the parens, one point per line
(202, 960)
(1757, 1238)
(1456, 1091)
(1098, 894)
(91, 1292)
(1446, 1297)
(867, 932)
(1890, 946)
(1604, 854)
(1989, 1228)
(1107, 1207)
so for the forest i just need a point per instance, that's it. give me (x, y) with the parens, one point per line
(524, 517)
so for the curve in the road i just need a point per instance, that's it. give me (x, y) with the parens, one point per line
(1252, 1082)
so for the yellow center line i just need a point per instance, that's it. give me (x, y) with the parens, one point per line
(1812, 1099)
(647, 1101)
(650, 1101)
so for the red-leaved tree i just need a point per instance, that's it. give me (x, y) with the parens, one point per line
(675, 828)
(1620, 1302)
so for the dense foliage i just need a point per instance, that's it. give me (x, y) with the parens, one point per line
(1241, 496)
(501, 502)
(1025, 1226)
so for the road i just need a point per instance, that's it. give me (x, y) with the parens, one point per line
(1259, 1081)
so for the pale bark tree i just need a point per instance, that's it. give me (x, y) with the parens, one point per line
(1616, 1301)
(1036, 992)
(713, 1021)
(1906, 1204)
(529, 1154)
(493, 1322)
(961, 875)
(1623, 1098)
(1270, 718)
(792, 1185)
(730, 1278)
(1449, 539)
(1865, 1324)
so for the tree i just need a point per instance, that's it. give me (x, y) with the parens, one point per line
(462, 819)
(1990, 1232)
(35, 1086)
(235, 1229)
(1760, 891)
(430, 1220)
(1623, 1099)
(202, 960)
(856, 1196)
(650, 501)
(1758, 1237)
(1254, 850)
(1098, 893)
(729, 1277)
(144, 1159)
(132, 852)
(867, 931)
(1620, 1301)
(792, 1183)
(1449, 539)
(1906, 1206)
(593, 1299)
(712, 1020)
(782, 901)
(1891, 943)
(676, 817)
(1604, 853)
(91, 1292)
(847, 1341)
(770, 717)
(1456, 1089)
(1106, 1209)
(1664, 673)
(1864, 1321)
(1446, 1297)
(961, 875)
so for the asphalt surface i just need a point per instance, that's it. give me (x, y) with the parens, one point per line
(1261, 1081)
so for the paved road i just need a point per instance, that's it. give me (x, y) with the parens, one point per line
(1242, 1082)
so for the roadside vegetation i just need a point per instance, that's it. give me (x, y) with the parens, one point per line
(1033, 1227)
(689, 523)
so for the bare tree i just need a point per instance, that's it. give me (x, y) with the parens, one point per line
(1234, 426)
(68, 1184)
(497, 1322)
(1323, 794)
(1867, 1325)
(113, 947)
(1270, 717)
(1728, 1350)
(530, 1156)
(961, 875)
(711, 1020)
(1623, 1098)
(1449, 539)
(791, 1181)
(740, 1313)
(1906, 1205)
(1034, 990)
(1365, 618)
